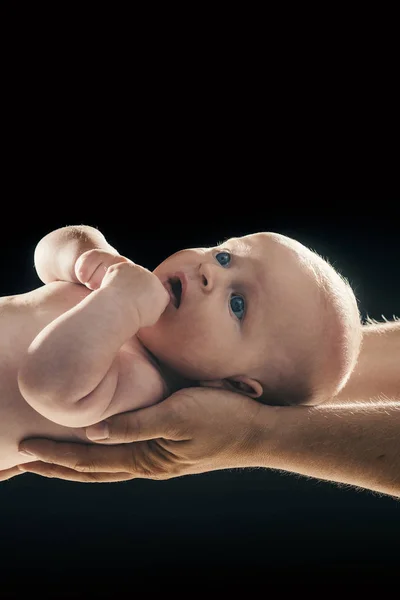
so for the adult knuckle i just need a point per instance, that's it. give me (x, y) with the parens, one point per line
(81, 467)
(122, 430)
(157, 472)
(145, 463)
(163, 472)
(49, 471)
(133, 428)
(87, 466)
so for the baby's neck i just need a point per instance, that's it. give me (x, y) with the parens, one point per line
(173, 380)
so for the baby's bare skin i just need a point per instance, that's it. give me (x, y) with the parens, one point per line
(22, 317)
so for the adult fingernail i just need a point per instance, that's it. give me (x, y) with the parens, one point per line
(98, 431)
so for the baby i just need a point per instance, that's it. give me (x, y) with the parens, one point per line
(260, 315)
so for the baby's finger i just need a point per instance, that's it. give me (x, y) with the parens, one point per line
(94, 282)
(57, 472)
(96, 279)
(79, 457)
(92, 265)
(86, 265)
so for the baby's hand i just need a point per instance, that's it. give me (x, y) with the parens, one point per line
(92, 265)
(138, 287)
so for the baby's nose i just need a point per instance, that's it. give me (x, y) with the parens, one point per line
(207, 276)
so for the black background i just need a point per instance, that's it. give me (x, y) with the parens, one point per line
(164, 150)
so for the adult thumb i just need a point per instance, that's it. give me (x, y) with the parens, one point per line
(157, 421)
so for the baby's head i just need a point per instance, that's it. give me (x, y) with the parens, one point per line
(261, 314)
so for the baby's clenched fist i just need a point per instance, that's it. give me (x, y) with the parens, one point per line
(140, 288)
(92, 265)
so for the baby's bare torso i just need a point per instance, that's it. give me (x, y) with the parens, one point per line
(22, 317)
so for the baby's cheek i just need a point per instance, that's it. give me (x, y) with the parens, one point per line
(206, 356)
(191, 355)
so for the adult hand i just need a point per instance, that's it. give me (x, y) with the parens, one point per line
(9, 473)
(193, 431)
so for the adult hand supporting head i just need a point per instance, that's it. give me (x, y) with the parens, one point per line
(195, 430)
(9, 473)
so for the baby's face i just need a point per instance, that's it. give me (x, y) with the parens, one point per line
(234, 308)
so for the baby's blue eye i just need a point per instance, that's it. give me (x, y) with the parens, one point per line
(237, 306)
(224, 258)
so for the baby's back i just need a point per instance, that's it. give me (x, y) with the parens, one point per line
(22, 317)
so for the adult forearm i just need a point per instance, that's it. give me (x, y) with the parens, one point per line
(377, 373)
(57, 252)
(355, 437)
(356, 444)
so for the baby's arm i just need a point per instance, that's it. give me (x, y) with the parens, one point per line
(71, 370)
(57, 252)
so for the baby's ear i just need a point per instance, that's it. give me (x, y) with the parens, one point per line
(245, 385)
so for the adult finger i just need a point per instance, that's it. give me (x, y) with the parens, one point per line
(79, 457)
(56, 472)
(9, 473)
(158, 421)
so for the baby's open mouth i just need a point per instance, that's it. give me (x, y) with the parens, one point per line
(175, 290)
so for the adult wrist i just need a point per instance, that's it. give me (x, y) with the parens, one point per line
(264, 437)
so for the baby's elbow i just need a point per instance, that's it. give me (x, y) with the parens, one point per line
(38, 390)
(54, 402)
(29, 383)
(52, 406)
